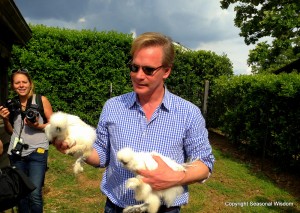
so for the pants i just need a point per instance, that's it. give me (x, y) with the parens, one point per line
(110, 207)
(34, 166)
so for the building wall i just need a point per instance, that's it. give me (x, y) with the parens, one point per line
(14, 31)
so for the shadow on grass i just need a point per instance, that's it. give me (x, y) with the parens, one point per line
(270, 177)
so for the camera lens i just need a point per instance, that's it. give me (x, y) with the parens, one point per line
(12, 105)
(31, 115)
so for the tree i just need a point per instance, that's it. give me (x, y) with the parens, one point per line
(278, 19)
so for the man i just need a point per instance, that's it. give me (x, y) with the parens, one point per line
(150, 119)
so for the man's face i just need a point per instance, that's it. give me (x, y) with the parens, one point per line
(148, 85)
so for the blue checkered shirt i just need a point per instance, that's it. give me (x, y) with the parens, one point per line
(176, 129)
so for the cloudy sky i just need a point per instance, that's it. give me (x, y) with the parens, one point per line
(196, 24)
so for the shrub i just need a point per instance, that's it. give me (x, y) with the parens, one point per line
(262, 112)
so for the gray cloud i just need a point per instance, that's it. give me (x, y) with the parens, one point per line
(67, 10)
(194, 23)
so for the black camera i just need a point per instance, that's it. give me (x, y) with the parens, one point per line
(32, 113)
(12, 105)
(17, 151)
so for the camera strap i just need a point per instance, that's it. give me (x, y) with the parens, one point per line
(21, 129)
(29, 100)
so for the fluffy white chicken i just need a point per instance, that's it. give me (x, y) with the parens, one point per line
(77, 134)
(134, 161)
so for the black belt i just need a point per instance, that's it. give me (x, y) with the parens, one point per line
(162, 208)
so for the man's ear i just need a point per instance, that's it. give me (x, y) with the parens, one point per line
(167, 72)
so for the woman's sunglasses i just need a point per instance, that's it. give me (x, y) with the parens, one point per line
(19, 71)
(146, 69)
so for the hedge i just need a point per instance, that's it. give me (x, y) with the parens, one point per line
(75, 69)
(261, 113)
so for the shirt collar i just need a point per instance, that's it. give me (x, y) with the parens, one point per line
(164, 105)
(166, 102)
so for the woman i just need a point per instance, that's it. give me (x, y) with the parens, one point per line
(28, 149)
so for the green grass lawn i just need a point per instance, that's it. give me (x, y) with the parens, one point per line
(233, 187)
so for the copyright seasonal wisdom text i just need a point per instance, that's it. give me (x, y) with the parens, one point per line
(255, 204)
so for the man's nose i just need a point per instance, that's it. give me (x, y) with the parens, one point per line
(140, 73)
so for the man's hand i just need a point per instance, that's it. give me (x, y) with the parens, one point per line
(163, 177)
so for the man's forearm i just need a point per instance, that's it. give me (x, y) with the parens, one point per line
(93, 159)
(195, 172)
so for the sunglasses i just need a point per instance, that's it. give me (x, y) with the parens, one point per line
(146, 69)
(19, 71)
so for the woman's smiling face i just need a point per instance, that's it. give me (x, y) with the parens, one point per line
(21, 84)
